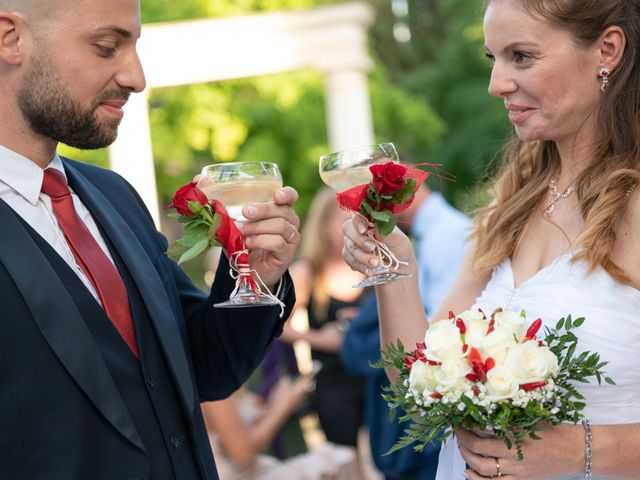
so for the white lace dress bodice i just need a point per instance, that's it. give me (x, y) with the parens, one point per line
(612, 328)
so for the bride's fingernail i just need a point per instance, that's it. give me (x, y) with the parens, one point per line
(370, 246)
(373, 262)
(361, 228)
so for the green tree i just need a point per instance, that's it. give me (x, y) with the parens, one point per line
(445, 65)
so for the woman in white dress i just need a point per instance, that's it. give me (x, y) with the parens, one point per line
(562, 234)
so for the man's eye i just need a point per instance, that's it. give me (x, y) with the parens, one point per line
(105, 51)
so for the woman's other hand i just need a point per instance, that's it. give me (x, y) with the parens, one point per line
(560, 451)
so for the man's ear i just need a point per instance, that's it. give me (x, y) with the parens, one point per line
(11, 47)
(612, 43)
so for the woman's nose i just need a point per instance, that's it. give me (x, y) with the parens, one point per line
(501, 82)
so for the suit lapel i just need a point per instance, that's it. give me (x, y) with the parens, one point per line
(60, 321)
(146, 278)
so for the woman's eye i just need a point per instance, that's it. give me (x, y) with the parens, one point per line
(521, 57)
(491, 58)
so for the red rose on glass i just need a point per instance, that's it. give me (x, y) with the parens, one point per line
(388, 178)
(185, 194)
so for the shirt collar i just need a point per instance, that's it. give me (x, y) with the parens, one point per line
(23, 175)
(427, 214)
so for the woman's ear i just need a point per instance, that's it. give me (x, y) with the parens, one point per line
(612, 43)
(11, 45)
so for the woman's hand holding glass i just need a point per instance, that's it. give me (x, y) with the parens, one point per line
(344, 170)
(359, 250)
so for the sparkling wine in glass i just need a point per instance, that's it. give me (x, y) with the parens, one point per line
(348, 169)
(236, 184)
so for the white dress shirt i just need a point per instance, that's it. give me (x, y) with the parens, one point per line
(20, 184)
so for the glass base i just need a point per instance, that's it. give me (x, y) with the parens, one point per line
(248, 299)
(381, 276)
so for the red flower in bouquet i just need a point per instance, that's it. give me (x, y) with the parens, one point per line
(388, 178)
(186, 194)
(207, 224)
(390, 192)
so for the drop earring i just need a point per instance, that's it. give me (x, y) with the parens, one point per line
(603, 76)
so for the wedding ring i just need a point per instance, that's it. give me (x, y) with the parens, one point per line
(499, 474)
(291, 236)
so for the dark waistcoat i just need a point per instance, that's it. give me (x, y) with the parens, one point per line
(146, 386)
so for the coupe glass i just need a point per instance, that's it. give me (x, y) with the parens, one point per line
(235, 185)
(348, 169)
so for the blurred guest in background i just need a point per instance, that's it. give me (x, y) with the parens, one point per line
(324, 286)
(242, 426)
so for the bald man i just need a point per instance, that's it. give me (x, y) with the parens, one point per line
(106, 347)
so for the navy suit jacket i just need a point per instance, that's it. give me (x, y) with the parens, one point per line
(60, 409)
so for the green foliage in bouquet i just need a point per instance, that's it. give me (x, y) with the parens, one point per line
(199, 232)
(538, 407)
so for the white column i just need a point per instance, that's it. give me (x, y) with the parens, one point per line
(131, 154)
(349, 118)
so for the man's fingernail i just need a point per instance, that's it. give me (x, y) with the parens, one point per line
(361, 228)
(373, 262)
(370, 246)
(252, 210)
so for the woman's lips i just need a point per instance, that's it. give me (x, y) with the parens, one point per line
(518, 113)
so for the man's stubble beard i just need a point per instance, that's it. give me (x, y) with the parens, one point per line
(51, 111)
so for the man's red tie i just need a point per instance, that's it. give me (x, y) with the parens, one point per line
(94, 262)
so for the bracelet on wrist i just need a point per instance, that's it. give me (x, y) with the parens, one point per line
(588, 449)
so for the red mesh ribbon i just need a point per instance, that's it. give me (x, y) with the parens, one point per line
(230, 237)
(351, 199)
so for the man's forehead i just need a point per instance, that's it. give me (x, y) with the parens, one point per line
(93, 13)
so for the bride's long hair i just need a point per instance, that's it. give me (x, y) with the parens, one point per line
(604, 187)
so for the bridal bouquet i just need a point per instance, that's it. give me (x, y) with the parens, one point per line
(491, 374)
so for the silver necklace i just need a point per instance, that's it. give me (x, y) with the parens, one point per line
(556, 195)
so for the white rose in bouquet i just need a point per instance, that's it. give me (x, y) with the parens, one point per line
(477, 327)
(450, 376)
(422, 378)
(500, 384)
(443, 341)
(496, 344)
(512, 322)
(529, 362)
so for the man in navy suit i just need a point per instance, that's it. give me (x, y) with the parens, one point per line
(83, 396)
